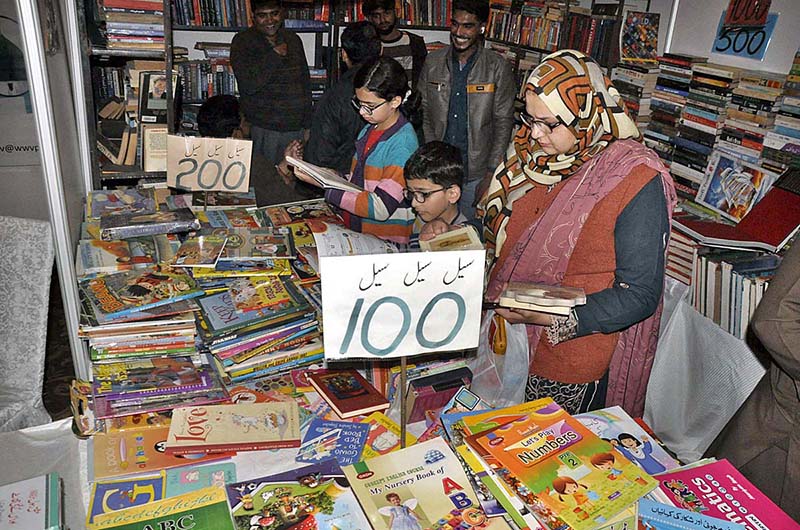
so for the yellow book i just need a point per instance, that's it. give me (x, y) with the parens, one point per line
(384, 436)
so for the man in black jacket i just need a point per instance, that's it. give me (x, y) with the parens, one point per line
(274, 85)
(336, 123)
(406, 48)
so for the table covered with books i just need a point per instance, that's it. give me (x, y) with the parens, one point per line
(210, 406)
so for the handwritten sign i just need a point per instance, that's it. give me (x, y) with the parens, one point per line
(750, 43)
(391, 305)
(208, 164)
(747, 13)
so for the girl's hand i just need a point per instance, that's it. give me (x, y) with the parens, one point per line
(305, 177)
(524, 316)
(433, 229)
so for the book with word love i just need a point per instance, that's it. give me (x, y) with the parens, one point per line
(421, 486)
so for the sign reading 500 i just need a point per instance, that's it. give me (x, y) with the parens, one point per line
(390, 305)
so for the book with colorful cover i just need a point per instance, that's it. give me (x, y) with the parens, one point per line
(151, 376)
(656, 516)
(230, 218)
(102, 203)
(96, 256)
(200, 251)
(384, 436)
(340, 440)
(258, 244)
(317, 496)
(301, 234)
(127, 225)
(138, 451)
(732, 187)
(639, 38)
(187, 479)
(118, 494)
(719, 490)
(293, 212)
(127, 292)
(252, 294)
(567, 476)
(628, 437)
(240, 427)
(421, 486)
(33, 503)
(205, 508)
(219, 200)
(347, 392)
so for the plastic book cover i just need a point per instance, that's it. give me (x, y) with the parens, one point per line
(112, 202)
(258, 244)
(131, 291)
(347, 392)
(614, 425)
(384, 436)
(205, 508)
(252, 294)
(187, 479)
(141, 377)
(340, 440)
(127, 225)
(239, 427)
(421, 486)
(96, 256)
(200, 251)
(657, 516)
(230, 218)
(718, 490)
(316, 496)
(217, 200)
(639, 38)
(31, 503)
(249, 268)
(294, 212)
(112, 495)
(732, 187)
(138, 451)
(564, 473)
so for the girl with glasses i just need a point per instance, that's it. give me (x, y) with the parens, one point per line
(384, 100)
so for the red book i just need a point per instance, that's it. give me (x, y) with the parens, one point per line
(347, 392)
(768, 225)
(134, 4)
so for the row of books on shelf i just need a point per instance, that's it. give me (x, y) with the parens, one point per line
(237, 14)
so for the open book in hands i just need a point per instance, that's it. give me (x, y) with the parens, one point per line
(326, 177)
(541, 297)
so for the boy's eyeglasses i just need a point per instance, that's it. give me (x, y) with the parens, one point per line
(361, 106)
(542, 126)
(419, 196)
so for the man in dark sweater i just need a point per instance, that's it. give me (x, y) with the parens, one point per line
(271, 70)
(406, 48)
(336, 122)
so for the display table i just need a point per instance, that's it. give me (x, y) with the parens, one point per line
(700, 378)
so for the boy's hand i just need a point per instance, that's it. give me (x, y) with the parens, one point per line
(433, 229)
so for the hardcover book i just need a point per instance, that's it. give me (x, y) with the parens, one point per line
(240, 427)
(541, 297)
(111, 495)
(421, 486)
(127, 225)
(205, 508)
(639, 38)
(138, 451)
(567, 476)
(33, 503)
(340, 440)
(347, 392)
(732, 187)
(127, 292)
(186, 479)
(316, 496)
(718, 490)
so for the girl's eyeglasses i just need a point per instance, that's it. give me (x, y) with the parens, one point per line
(367, 110)
(542, 126)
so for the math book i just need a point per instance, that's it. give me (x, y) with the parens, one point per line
(314, 497)
(239, 427)
(421, 486)
(340, 440)
(567, 476)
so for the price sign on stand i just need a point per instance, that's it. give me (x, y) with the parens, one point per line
(747, 42)
(393, 305)
(208, 164)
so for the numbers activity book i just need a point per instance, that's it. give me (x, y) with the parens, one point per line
(314, 497)
(340, 440)
(421, 486)
(567, 476)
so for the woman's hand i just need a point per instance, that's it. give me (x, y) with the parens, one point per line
(524, 316)
(433, 229)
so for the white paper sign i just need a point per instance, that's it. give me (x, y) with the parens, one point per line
(208, 164)
(391, 305)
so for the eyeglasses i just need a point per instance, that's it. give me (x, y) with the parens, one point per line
(367, 110)
(419, 196)
(542, 126)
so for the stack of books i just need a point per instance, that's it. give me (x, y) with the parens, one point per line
(782, 144)
(635, 84)
(133, 24)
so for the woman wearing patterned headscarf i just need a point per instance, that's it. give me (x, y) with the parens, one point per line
(579, 201)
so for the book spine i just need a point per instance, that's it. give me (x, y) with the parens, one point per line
(225, 448)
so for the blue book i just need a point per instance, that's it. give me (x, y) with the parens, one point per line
(328, 439)
(111, 495)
